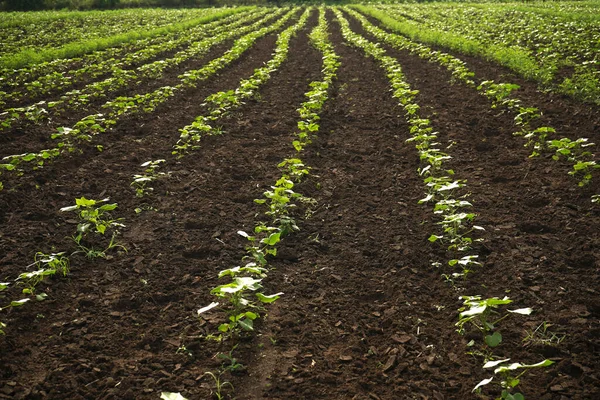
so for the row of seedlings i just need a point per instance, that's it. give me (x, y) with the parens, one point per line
(202, 41)
(477, 313)
(240, 307)
(83, 131)
(575, 152)
(100, 55)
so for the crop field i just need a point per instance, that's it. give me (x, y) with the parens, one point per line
(391, 201)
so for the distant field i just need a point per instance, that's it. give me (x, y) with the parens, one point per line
(394, 201)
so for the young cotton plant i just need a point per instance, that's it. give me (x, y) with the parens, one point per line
(574, 151)
(240, 307)
(482, 315)
(141, 181)
(94, 216)
(47, 265)
(509, 377)
(281, 199)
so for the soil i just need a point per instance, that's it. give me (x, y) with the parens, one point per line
(364, 314)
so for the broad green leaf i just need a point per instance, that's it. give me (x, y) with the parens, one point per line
(84, 202)
(482, 383)
(268, 299)
(246, 324)
(522, 311)
(433, 238)
(208, 307)
(41, 297)
(4, 285)
(492, 364)
(494, 339)
(18, 303)
(108, 207)
(272, 240)
(473, 311)
(250, 315)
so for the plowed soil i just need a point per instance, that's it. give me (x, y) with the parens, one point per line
(364, 314)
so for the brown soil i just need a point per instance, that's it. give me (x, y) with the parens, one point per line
(364, 315)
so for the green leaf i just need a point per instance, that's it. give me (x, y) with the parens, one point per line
(433, 238)
(268, 299)
(492, 364)
(250, 315)
(4, 285)
(482, 383)
(246, 324)
(494, 339)
(18, 303)
(272, 240)
(83, 202)
(41, 297)
(171, 396)
(208, 307)
(522, 311)
(108, 207)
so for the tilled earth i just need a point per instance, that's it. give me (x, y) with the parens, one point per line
(364, 314)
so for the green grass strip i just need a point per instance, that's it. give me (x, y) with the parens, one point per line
(30, 57)
(515, 59)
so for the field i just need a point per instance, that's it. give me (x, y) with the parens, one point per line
(301, 203)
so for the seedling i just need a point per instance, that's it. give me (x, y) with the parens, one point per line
(573, 151)
(13, 304)
(508, 378)
(95, 216)
(219, 384)
(47, 265)
(481, 314)
(140, 182)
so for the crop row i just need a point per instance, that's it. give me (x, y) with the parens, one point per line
(457, 226)
(55, 81)
(239, 306)
(541, 139)
(69, 139)
(27, 66)
(202, 41)
(534, 46)
(52, 33)
(95, 215)
(38, 37)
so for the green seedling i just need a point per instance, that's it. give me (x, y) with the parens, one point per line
(279, 200)
(509, 381)
(13, 304)
(573, 151)
(241, 310)
(230, 363)
(95, 216)
(141, 181)
(482, 315)
(294, 169)
(219, 384)
(47, 265)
